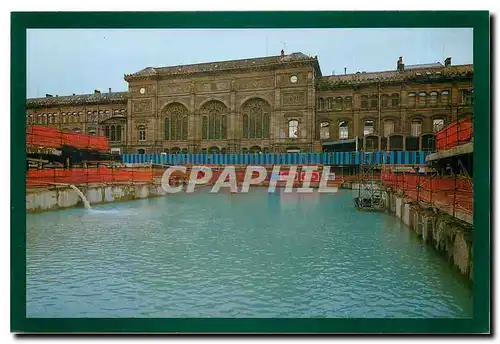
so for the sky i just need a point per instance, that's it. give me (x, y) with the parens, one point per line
(63, 62)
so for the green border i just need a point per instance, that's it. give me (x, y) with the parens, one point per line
(478, 20)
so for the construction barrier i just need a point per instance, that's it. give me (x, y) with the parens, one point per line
(454, 134)
(450, 193)
(46, 137)
(90, 175)
(334, 158)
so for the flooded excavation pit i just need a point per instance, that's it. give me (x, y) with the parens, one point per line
(255, 254)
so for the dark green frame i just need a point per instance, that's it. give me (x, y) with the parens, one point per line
(478, 20)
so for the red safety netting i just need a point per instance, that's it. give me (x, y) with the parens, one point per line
(454, 134)
(451, 194)
(46, 137)
(100, 174)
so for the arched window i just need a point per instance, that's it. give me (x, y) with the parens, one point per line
(293, 129)
(50, 118)
(412, 99)
(214, 122)
(416, 127)
(422, 99)
(329, 103)
(321, 104)
(338, 103)
(213, 149)
(343, 130)
(324, 130)
(348, 102)
(433, 99)
(395, 100)
(364, 102)
(437, 124)
(388, 128)
(106, 131)
(142, 133)
(368, 128)
(374, 101)
(445, 97)
(113, 133)
(256, 115)
(175, 122)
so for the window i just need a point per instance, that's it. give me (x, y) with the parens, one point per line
(324, 130)
(338, 103)
(437, 124)
(118, 133)
(388, 128)
(329, 103)
(293, 128)
(106, 131)
(142, 133)
(385, 100)
(175, 122)
(364, 102)
(395, 100)
(374, 101)
(368, 128)
(113, 133)
(445, 97)
(466, 97)
(343, 130)
(214, 121)
(433, 98)
(91, 131)
(348, 102)
(416, 127)
(422, 98)
(76, 130)
(321, 104)
(256, 115)
(411, 99)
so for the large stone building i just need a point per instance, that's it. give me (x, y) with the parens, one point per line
(269, 104)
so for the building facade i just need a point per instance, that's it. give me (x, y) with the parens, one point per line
(271, 104)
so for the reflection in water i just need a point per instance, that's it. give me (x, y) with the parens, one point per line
(235, 255)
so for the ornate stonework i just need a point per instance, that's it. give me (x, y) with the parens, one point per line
(251, 83)
(294, 98)
(141, 106)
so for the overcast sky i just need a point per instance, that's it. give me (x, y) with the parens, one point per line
(63, 62)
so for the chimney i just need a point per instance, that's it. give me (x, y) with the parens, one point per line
(97, 92)
(401, 66)
(110, 90)
(74, 94)
(345, 70)
(282, 53)
(48, 95)
(447, 62)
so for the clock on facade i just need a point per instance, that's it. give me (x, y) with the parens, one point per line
(142, 90)
(293, 79)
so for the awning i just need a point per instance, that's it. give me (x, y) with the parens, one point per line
(339, 142)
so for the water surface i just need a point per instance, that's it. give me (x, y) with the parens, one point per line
(235, 255)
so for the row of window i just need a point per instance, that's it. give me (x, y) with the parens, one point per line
(69, 117)
(369, 128)
(433, 98)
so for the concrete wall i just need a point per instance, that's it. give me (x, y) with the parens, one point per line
(61, 197)
(449, 235)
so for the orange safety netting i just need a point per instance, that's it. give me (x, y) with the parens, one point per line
(46, 137)
(455, 134)
(89, 175)
(450, 194)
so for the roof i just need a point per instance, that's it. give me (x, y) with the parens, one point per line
(259, 62)
(81, 99)
(425, 73)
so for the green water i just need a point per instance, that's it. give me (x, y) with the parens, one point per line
(235, 255)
